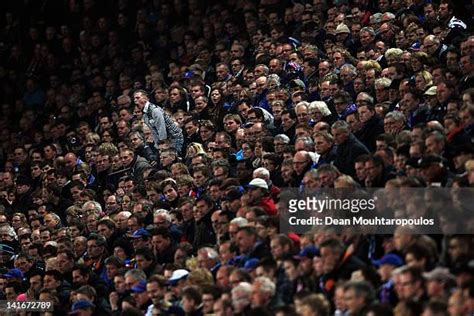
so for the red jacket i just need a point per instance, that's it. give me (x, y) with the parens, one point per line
(268, 205)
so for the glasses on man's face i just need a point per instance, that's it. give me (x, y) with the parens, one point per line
(299, 162)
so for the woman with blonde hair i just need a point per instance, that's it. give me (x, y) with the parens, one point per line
(393, 56)
(194, 149)
(423, 80)
(417, 60)
(92, 139)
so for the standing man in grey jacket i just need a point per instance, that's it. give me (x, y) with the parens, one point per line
(161, 124)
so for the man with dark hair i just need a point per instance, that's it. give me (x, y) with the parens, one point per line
(145, 260)
(348, 148)
(344, 105)
(336, 264)
(210, 294)
(134, 163)
(324, 147)
(413, 285)
(65, 260)
(204, 234)
(97, 252)
(163, 245)
(358, 296)
(53, 280)
(414, 111)
(250, 246)
(376, 172)
(201, 176)
(191, 128)
(141, 148)
(35, 284)
(191, 301)
(288, 124)
(446, 16)
(156, 288)
(372, 125)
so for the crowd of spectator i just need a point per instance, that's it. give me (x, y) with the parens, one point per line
(145, 145)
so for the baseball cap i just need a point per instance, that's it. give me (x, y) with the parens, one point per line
(297, 83)
(251, 264)
(188, 74)
(463, 266)
(429, 160)
(139, 288)
(415, 46)
(178, 275)
(295, 238)
(4, 248)
(23, 180)
(14, 274)
(376, 18)
(232, 194)
(139, 233)
(389, 258)
(438, 274)
(51, 243)
(463, 149)
(80, 305)
(308, 252)
(431, 91)
(258, 183)
(413, 162)
(342, 28)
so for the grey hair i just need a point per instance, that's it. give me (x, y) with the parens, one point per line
(301, 104)
(321, 106)
(244, 287)
(307, 141)
(136, 274)
(284, 138)
(388, 15)
(369, 30)
(396, 115)
(266, 70)
(164, 213)
(10, 230)
(361, 289)
(274, 78)
(341, 125)
(348, 180)
(56, 217)
(239, 221)
(351, 68)
(97, 206)
(126, 213)
(367, 97)
(210, 253)
(138, 133)
(263, 172)
(266, 285)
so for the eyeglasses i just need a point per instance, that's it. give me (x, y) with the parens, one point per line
(299, 162)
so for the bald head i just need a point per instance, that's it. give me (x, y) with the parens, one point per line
(301, 161)
(430, 44)
(70, 160)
